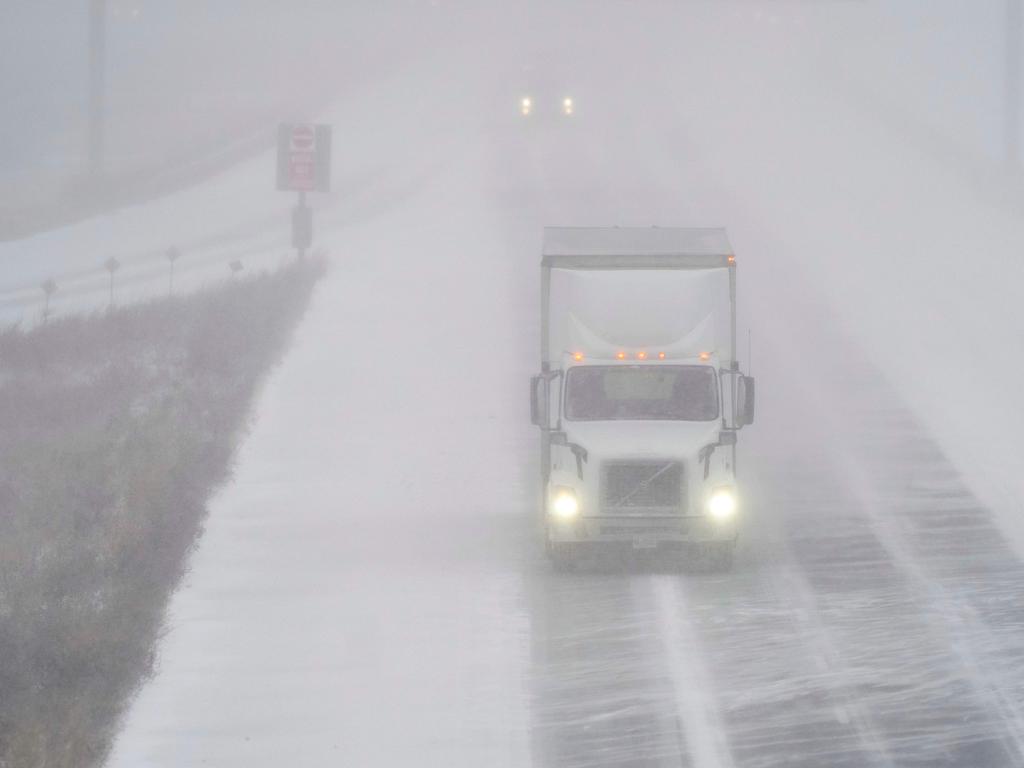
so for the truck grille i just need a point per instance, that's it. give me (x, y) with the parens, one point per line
(642, 487)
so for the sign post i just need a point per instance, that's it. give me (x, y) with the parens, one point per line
(303, 165)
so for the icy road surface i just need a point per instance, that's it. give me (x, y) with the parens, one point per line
(370, 589)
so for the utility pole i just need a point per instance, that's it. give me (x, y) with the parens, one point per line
(173, 254)
(97, 84)
(1013, 82)
(112, 265)
(49, 288)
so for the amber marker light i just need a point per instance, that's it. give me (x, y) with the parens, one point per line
(705, 356)
(641, 355)
(731, 259)
(577, 356)
(620, 355)
(661, 355)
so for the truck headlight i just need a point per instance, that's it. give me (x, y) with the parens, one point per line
(564, 504)
(722, 503)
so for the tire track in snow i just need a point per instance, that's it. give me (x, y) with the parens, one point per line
(890, 508)
(695, 703)
(922, 668)
(601, 693)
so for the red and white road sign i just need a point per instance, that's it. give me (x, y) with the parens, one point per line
(303, 157)
(303, 138)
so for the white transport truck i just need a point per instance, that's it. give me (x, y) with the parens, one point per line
(640, 396)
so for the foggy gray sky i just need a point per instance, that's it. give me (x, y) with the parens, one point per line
(185, 75)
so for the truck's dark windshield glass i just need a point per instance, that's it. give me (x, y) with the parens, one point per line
(671, 392)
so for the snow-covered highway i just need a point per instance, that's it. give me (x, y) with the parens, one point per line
(371, 590)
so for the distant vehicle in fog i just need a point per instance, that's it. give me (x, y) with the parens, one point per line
(640, 396)
(564, 106)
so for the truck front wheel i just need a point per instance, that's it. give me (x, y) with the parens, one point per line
(720, 556)
(562, 556)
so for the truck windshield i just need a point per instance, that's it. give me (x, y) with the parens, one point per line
(669, 392)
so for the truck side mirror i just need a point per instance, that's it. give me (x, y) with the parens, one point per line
(745, 401)
(538, 401)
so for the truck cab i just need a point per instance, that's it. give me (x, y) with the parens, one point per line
(640, 398)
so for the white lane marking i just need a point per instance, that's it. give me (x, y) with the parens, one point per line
(695, 706)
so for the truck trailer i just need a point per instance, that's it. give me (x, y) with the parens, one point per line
(640, 397)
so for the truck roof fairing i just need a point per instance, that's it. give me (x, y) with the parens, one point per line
(636, 248)
(661, 271)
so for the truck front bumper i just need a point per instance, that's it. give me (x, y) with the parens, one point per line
(642, 532)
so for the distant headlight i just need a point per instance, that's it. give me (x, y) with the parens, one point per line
(564, 504)
(722, 503)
